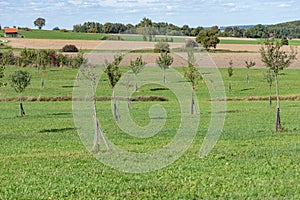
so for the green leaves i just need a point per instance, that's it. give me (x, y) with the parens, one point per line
(208, 38)
(19, 80)
(192, 73)
(164, 61)
(137, 65)
(113, 72)
(276, 58)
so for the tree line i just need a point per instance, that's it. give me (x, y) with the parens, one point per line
(289, 29)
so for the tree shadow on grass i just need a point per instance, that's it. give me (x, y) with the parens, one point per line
(158, 89)
(57, 130)
(61, 114)
(247, 89)
(69, 86)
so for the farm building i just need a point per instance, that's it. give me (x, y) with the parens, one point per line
(11, 32)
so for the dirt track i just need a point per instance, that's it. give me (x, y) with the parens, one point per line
(220, 59)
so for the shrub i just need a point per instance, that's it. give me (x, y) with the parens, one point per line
(189, 43)
(26, 29)
(162, 47)
(69, 48)
(63, 30)
(93, 30)
(56, 29)
(112, 37)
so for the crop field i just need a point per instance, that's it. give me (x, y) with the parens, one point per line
(42, 156)
(47, 34)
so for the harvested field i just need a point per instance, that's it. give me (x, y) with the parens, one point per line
(221, 59)
(84, 44)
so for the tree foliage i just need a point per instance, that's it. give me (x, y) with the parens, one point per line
(275, 58)
(113, 71)
(161, 47)
(39, 22)
(164, 61)
(284, 40)
(137, 65)
(19, 80)
(192, 73)
(208, 38)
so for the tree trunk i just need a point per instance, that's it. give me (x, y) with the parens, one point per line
(43, 83)
(229, 87)
(270, 98)
(97, 128)
(136, 87)
(278, 121)
(165, 80)
(247, 78)
(96, 146)
(193, 106)
(116, 116)
(22, 111)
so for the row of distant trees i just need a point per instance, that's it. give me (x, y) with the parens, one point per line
(158, 28)
(290, 30)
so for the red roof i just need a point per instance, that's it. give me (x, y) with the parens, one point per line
(10, 30)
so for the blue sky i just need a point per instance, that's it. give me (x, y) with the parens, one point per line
(65, 14)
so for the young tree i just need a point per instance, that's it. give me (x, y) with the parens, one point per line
(40, 22)
(136, 67)
(249, 64)
(230, 74)
(89, 72)
(114, 75)
(276, 59)
(19, 80)
(164, 62)
(193, 75)
(42, 60)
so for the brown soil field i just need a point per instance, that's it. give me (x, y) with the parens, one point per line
(84, 44)
(220, 59)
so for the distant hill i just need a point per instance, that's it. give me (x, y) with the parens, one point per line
(289, 29)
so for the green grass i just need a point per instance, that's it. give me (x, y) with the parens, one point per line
(48, 34)
(42, 156)
(241, 41)
(257, 41)
(45, 34)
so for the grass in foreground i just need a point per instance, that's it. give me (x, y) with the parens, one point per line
(42, 157)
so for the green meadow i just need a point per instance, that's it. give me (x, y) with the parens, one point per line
(42, 156)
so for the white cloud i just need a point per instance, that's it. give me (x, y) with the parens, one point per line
(284, 5)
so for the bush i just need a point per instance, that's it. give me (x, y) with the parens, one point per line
(112, 37)
(63, 30)
(162, 47)
(189, 43)
(93, 30)
(26, 29)
(69, 48)
(56, 29)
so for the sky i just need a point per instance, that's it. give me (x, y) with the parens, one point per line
(206, 13)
